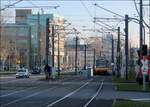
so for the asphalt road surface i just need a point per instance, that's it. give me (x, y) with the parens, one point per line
(69, 91)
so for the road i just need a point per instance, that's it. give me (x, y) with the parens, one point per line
(70, 91)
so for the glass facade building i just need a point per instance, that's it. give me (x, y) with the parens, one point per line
(37, 22)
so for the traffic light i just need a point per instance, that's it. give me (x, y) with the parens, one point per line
(144, 50)
(138, 52)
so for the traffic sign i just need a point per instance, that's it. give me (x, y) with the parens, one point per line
(144, 66)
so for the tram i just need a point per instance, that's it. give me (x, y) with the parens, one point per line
(101, 66)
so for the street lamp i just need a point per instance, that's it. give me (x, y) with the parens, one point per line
(76, 49)
(33, 52)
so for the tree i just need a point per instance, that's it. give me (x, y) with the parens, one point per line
(5, 16)
(4, 47)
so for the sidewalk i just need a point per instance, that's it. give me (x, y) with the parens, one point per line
(109, 92)
(7, 73)
(135, 96)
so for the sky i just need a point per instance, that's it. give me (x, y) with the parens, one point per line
(80, 14)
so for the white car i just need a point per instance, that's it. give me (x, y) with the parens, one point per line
(22, 73)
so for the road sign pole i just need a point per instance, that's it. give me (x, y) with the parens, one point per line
(118, 54)
(144, 84)
(126, 44)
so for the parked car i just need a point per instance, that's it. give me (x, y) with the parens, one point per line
(60, 69)
(36, 71)
(22, 73)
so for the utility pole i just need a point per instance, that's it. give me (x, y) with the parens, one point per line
(85, 57)
(94, 60)
(0, 36)
(53, 51)
(141, 25)
(149, 28)
(126, 43)
(58, 57)
(118, 53)
(113, 55)
(76, 52)
(30, 48)
(47, 40)
(39, 41)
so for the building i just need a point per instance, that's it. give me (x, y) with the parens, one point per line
(28, 37)
(38, 38)
(21, 15)
(16, 39)
(70, 50)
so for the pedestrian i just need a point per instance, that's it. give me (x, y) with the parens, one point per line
(47, 70)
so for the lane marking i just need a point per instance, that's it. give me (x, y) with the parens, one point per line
(32, 77)
(5, 95)
(68, 95)
(8, 81)
(27, 96)
(95, 94)
(6, 77)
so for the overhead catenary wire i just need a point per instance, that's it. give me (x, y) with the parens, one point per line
(13, 4)
(32, 3)
(136, 7)
(105, 24)
(108, 10)
(120, 15)
(137, 10)
(86, 8)
(94, 18)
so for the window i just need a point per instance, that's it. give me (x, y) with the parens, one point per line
(11, 41)
(10, 31)
(12, 49)
(21, 49)
(21, 32)
(21, 42)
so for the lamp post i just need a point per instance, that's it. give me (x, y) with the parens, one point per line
(94, 60)
(58, 51)
(112, 56)
(58, 56)
(85, 56)
(76, 49)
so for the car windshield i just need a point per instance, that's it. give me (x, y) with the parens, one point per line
(21, 70)
(101, 64)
